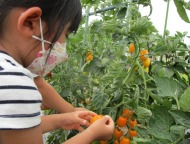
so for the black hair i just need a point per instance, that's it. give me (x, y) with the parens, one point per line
(56, 13)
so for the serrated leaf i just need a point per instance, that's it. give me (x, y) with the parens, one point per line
(184, 101)
(142, 26)
(168, 87)
(160, 123)
(181, 118)
(177, 132)
(99, 101)
(181, 10)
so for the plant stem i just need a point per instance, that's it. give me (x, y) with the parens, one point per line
(177, 102)
(166, 19)
(155, 97)
(166, 22)
(128, 14)
(144, 81)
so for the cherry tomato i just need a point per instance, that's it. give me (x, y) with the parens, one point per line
(143, 54)
(122, 121)
(133, 123)
(89, 58)
(131, 48)
(124, 140)
(95, 118)
(118, 133)
(133, 133)
(127, 113)
(146, 63)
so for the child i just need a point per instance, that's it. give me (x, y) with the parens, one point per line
(32, 36)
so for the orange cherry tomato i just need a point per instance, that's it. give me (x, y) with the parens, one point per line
(133, 133)
(131, 48)
(143, 54)
(95, 118)
(103, 142)
(146, 63)
(122, 121)
(124, 140)
(128, 113)
(118, 133)
(89, 58)
(116, 141)
(133, 123)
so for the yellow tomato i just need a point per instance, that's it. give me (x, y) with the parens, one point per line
(95, 118)
(146, 63)
(143, 54)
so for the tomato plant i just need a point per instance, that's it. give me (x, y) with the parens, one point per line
(114, 81)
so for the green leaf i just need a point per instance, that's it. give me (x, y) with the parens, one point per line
(181, 118)
(142, 26)
(181, 10)
(141, 141)
(160, 123)
(184, 101)
(177, 132)
(143, 113)
(122, 13)
(99, 101)
(167, 87)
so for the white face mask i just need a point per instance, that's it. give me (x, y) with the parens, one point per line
(47, 60)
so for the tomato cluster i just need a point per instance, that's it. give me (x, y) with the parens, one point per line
(146, 61)
(124, 130)
(144, 58)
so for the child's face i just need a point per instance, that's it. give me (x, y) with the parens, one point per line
(47, 60)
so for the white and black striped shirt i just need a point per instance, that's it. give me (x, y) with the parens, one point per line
(20, 99)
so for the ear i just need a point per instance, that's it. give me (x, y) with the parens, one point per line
(28, 21)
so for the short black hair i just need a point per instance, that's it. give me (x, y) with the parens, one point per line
(56, 13)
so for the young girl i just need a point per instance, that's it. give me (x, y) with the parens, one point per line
(32, 40)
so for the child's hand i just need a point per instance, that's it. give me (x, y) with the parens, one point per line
(74, 120)
(102, 129)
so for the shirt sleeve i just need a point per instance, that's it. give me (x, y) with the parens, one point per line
(20, 101)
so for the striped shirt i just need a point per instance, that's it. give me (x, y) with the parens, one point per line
(20, 99)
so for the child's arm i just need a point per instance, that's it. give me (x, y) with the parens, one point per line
(101, 129)
(66, 121)
(51, 98)
(23, 136)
